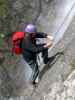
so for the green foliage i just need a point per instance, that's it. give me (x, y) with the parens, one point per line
(1, 42)
(3, 8)
(8, 34)
(27, 17)
(40, 28)
(73, 64)
(2, 1)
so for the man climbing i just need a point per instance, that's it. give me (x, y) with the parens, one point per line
(31, 49)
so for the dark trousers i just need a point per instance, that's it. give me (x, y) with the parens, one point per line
(35, 70)
(45, 55)
(34, 65)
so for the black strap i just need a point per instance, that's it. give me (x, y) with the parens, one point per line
(17, 39)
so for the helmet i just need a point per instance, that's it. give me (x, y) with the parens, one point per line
(30, 28)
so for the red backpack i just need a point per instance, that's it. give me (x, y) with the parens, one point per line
(17, 39)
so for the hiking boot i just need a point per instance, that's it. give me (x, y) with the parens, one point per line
(35, 83)
(37, 80)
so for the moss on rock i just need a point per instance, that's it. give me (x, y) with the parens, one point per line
(3, 8)
(73, 64)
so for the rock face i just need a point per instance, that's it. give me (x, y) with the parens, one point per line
(17, 13)
(57, 91)
(62, 90)
(52, 85)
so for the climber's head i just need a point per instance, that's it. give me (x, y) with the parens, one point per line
(31, 28)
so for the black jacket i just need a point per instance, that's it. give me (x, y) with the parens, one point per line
(30, 49)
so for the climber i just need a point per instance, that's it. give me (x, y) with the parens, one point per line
(31, 48)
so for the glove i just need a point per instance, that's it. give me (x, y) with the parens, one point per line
(48, 45)
(50, 37)
(49, 41)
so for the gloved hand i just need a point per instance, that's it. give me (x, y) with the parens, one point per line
(49, 41)
(50, 37)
